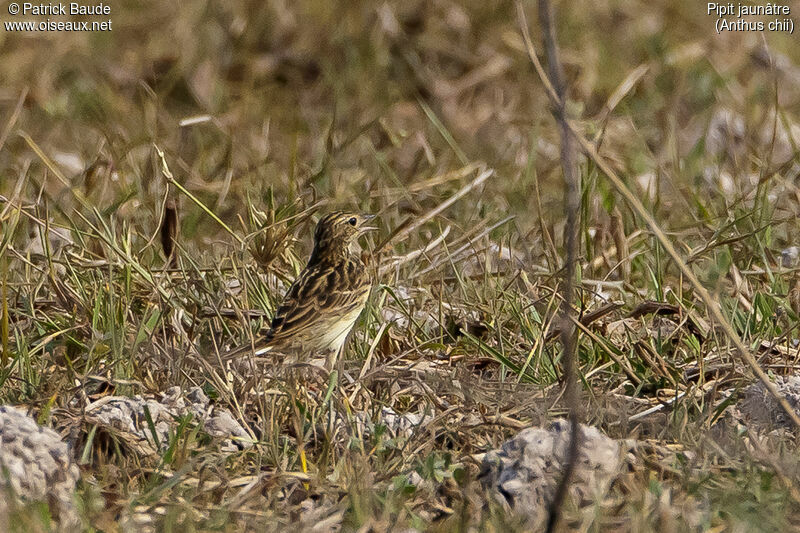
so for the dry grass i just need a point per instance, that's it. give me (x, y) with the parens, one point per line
(266, 115)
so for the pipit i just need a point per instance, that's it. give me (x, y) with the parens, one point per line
(322, 305)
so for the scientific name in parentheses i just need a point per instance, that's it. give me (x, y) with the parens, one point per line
(73, 8)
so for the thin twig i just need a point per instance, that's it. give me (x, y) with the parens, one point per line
(572, 200)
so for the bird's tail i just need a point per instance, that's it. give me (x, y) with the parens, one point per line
(255, 349)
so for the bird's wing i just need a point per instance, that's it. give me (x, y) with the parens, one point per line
(321, 294)
(318, 297)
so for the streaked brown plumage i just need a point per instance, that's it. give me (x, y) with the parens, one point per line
(323, 303)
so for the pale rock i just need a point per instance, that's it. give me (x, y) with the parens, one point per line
(127, 417)
(524, 472)
(39, 466)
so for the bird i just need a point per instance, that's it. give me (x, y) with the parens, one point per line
(324, 302)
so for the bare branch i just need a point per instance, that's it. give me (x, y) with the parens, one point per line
(572, 184)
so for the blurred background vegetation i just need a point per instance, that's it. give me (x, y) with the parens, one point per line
(359, 100)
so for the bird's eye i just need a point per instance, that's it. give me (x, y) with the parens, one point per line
(352, 221)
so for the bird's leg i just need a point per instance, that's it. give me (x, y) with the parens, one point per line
(293, 394)
(335, 358)
(331, 358)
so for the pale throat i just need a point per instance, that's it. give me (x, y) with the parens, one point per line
(354, 248)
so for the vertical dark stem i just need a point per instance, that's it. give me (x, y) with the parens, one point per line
(572, 203)
(4, 355)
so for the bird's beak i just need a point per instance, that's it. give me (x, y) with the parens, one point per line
(367, 218)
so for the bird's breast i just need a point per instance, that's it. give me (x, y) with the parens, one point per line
(336, 333)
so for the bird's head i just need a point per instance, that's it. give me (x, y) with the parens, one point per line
(338, 230)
